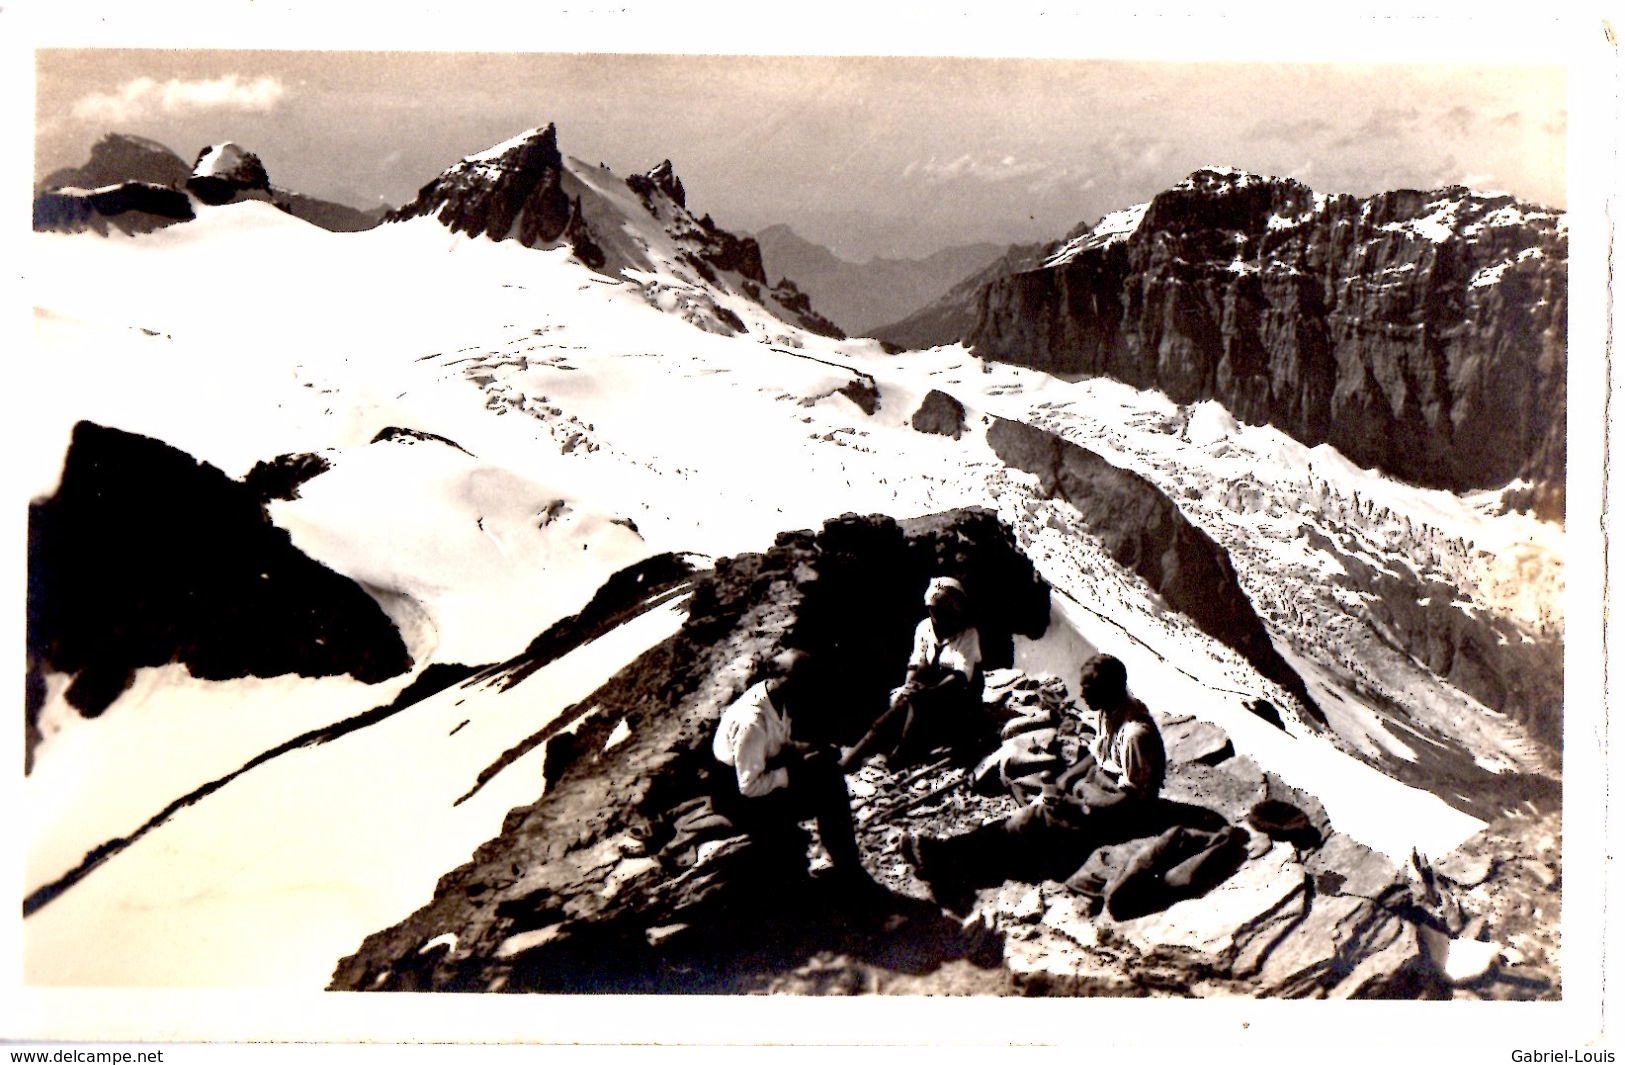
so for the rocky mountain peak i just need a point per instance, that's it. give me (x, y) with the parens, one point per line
(513, 189)
(224, 171)
(533, 152)
(119, 157)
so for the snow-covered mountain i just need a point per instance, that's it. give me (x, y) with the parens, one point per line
(559, 433)
(523, 189)
(134, 185)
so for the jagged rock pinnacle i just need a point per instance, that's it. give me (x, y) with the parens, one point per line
(666, 179)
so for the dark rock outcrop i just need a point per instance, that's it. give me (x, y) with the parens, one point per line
(941, 414)
(130, 207)
(280, 478)
(145, 556)
(1422, 333)
(1145, 533)
(664, 178)
(799, 306)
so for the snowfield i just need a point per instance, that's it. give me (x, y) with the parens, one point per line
(585, 428)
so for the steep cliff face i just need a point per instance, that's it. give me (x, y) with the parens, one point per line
(525, 190)
(1422, 333)
(1142, 529)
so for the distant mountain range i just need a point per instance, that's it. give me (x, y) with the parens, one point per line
(860, 297)
(135, 185)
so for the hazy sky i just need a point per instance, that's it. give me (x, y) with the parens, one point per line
(871, 156)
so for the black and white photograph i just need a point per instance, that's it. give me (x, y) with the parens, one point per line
(565, 519)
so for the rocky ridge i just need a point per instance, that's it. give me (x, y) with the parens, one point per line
(1421, 333)
(525, 190)
(622, 877)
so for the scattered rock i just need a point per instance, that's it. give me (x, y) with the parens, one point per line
(1190, 739)
(941, 414)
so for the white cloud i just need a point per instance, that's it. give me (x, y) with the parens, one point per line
(142, 96)
(1485, 183)
(984, 168)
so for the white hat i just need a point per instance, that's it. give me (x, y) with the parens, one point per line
(941, 588)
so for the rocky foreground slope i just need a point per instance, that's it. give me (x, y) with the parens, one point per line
(622, 877)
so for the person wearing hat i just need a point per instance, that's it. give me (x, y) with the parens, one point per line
(941, 687)
(779, 780)
(1107, 796)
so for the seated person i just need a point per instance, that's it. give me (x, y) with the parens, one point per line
(778, 779)
(1107, 796)
(941, 690)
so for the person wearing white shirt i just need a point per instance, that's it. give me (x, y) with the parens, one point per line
(778, 779)
(941, 687)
